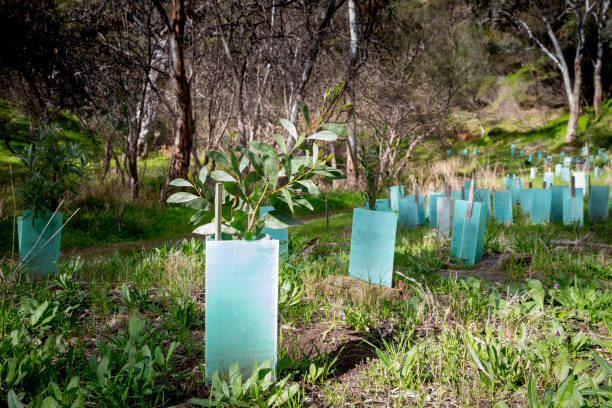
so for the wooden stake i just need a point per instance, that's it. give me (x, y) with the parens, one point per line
(463, 192)
(416, 194)
(530, 184)
(573, 187)
(544, 184)
(218, 203)
(470, 199)
(447, 188)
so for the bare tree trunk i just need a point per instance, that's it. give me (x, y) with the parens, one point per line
(351, 140)
(309, 64)
(600, 20)
(572, 124)
(146, 114)
(108, 154)
(183, 128)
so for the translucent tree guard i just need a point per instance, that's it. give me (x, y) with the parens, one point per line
(556, 206)
(467, 240)
(540, 205)
(382, 204)
(373, 246)
(558, 168)
(421, 207)
(573, 208)
(39, 256)
(539, 154)
(599, 203)
(445, 210)
(483, 196)
(432, 207)
(565, 174)
(241, 304)
(526, 200)
(512, 150)
(549, 177)
(395, 194)
(282, 234)
(596, 171)
(502, 206)
(532, 173)
(580, 179)
(408, 213)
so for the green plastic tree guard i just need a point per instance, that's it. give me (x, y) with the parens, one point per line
(421, 207)
(540, 205)
(432, 207)
(512, 150)
(596, 171)
(483, 196)
(475, 151)
(282, 234)
(467, 241)
(39, 256)
(526, 200)
(373, 246)
(573, 208)
(562, 155)
(465, 152)
(395, 193)
(549, 177)
(522, 153)
(241, 305)
(530, 158)
(408, 214)
(539, 154)
(382, 204)
(599, 203)
(565, 174)
(556, 204)
(567, 161)
(502, 206)
(445, 210)
(515, 191)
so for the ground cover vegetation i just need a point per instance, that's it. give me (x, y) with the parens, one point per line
(126, 115)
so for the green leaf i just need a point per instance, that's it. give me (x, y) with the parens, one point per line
(35, 317)
(203, 403)
(324, 135)
(50, 402)
(203, 175)
(290, 127)
(336, 128)
(218, 157)
(605, 365)
(271, 171)
(277, 219)
(179, 182)
(236, 190)
(281, 142)
(252, 177)
(500, 404)
(13, 400)
(264, 148)
(315, 154)
(532, 395)
(306, 113)
(287, 195)
(181, 197)
(567, 396)
(221, 175)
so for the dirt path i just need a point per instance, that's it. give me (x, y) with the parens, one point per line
(131, 246)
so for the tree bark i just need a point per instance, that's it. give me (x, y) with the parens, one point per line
(600, 21)
(351, 140)
(183, 127)
(309, 64)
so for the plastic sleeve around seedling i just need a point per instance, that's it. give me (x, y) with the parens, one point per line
(432, 207)
(40, 256)
(281, 234)
(468, 233)
(241, 304)
(382, 204)
(395, 194)
(373, 246)
(573, 208)
(599, 203)
(420, 207)
(502, 206)
(483, 196)
(556, 204)
(445, 209)
(540, 205)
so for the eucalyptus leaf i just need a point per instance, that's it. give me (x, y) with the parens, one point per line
(221, 175)
(290, 127)
(336, 128)
(281, 142)
(179, 182)
(277, 219)
(218, 156)
(324, 135)
(181, 197)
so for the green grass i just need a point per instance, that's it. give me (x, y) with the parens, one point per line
(462, 341)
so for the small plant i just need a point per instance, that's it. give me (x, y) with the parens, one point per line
(134, 299)
(55, 168)
(259, 390)
(358, 317)
(376, 180)
(262, 174)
